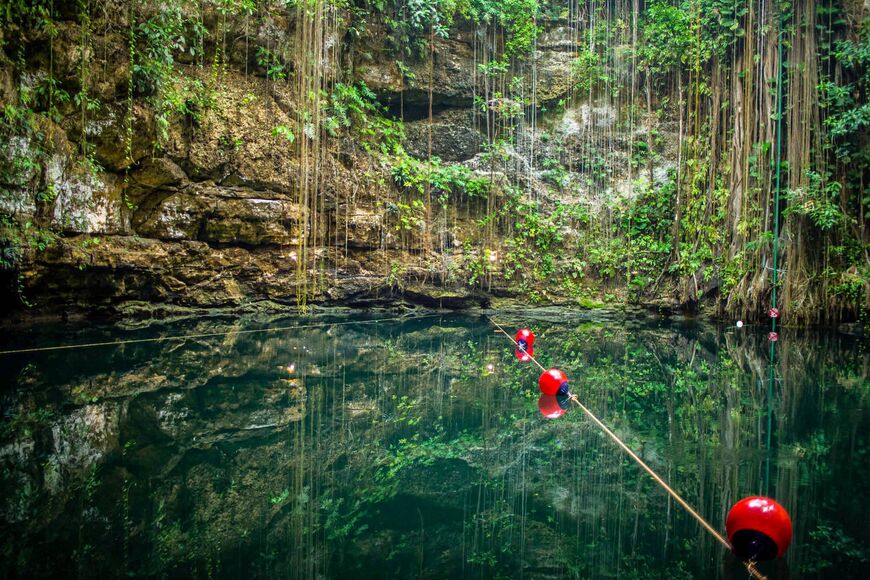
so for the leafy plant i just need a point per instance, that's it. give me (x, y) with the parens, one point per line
(284, 132)
(268, 60)
(819, 201)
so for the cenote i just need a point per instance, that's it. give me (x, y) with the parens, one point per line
(253, 253)
(345, 445)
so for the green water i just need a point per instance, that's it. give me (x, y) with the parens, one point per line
(366, 447)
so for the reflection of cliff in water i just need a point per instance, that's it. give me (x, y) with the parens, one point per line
(391, 449)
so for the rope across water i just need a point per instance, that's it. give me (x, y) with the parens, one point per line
(750, 566)
(210, 334)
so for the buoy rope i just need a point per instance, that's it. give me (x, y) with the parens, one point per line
(775, 281)
(211, 334)
(750, 566)
(778, 173)
(533, 359)
(770, 364)
(652, 473)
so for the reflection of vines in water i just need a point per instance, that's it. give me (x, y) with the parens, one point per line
(721, 386)
(422, 456)
(808, 376)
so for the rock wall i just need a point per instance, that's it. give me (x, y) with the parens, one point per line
(214, 216)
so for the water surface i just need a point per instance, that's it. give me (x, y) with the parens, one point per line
(374, 447)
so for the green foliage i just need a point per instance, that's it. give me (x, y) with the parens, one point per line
(395, 279)
(407, 74)
(21, 150)
(719, 27)
(409, 216)
(230, 143)
(646, 224)
(832, 548)
(607, 257)
(341, 522)
(24, 150)
(555, 173)
(24, 424)
(641, 154)
(16, 238)
(586, 70)
(161, 36)
(171, 93)
(701, 223)
(351, 105)
(355, 108)
(414, 175)
(409, 23)
(666, 38)
(23, 14)
(281, 497)
(284, 132)
(819, 201)
(534, 249)
(845, 98)
(269, 61)
(689, 34)
(516, 16)
(421, 14)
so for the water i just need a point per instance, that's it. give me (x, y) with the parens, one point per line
(367, 447)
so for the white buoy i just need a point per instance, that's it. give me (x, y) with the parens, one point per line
(739, 324)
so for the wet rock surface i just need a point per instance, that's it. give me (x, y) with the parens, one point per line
(453, 71)
(455, 136)
(211, 213)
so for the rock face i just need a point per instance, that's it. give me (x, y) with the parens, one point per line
(455, 136)
(240, 199)
(453, 70)
(222, 215)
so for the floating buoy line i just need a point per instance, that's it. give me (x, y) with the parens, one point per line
(212, 334)
(758, 528)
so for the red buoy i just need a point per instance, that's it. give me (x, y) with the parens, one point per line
(773, 313)
(524, 339)
(526, 335)
(772, 336)
(553, 381)
(525, 354)
(552, 407)
(758, 528)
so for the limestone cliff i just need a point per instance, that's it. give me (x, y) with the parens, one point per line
(219, 184)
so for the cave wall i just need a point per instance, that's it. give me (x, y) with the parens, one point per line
(213, 216)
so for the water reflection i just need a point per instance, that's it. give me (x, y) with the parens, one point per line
(418, 449)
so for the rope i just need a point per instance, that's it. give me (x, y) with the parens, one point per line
(772, 352)
(653, 474)
(533, 359)
(778, 171)
(750, 566)
(209, 334)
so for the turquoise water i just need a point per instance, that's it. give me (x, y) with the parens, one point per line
(373, 447)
